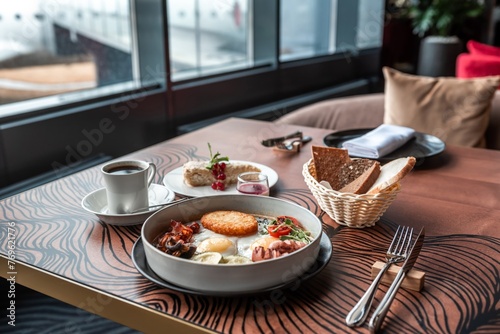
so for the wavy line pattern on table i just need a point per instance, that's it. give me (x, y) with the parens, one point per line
(461, 270)
(54, 232)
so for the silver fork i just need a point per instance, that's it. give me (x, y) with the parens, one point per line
(397, 252)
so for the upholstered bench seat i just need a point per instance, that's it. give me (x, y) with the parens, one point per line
(478, 118)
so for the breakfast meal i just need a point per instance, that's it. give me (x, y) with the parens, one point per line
(233, 237)
(218, 172)
(357, 176)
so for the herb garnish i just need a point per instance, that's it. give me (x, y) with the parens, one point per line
(217, 166)
(295, 232)
(214, 159)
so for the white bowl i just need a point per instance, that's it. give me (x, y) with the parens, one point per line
(230, 278)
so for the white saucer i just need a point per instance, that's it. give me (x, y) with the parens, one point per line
(97, 203)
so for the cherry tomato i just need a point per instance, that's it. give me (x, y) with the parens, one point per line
(281, 219)
(277, 231)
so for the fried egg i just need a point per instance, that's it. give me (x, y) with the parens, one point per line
(221, 245)
(208, 241)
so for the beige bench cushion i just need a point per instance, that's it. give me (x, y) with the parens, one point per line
(340, 114)
(455, 110)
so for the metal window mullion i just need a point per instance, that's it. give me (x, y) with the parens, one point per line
(266, 31)
(134, 45)
(347, 21)
(168, 65)
(197, 35)
(250, 33)
(323, 28)
(333, 26)
(277, 16)
(150, 58)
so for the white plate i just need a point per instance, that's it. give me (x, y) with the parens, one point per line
(97, 203)
(175, 181)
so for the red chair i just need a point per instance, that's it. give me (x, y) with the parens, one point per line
(482, 60)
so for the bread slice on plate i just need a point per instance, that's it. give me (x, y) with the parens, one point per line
(391, 173)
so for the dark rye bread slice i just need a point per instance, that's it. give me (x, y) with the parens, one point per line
(343, 174)
(327, 162)
(363, 173)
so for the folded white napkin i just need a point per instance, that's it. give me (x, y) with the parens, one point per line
(379, 142)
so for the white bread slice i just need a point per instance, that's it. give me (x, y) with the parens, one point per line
(363, 182)
(196, 174)
(392, 172)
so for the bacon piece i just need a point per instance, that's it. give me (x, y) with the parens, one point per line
(176, 241)
(182, 230)
(194, 226)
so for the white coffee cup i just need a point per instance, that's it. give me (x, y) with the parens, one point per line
(127, 184)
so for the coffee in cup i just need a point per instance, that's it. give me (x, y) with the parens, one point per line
(127, 184)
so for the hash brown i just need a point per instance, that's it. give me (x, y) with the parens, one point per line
(232, 223)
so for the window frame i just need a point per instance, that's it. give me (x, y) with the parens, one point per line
(159, 107)
(38, 140)
(145, 79)
(278, 79)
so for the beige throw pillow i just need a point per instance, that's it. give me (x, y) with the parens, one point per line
(455, 110)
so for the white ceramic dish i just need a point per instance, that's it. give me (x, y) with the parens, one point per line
(97, 203)
(324, 255)
(220, 278)
(175, 181)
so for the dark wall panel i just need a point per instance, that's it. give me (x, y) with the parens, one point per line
(63, 140)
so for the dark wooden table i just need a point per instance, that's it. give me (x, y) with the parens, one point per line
(67, 253)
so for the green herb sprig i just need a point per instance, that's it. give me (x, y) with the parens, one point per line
(214, 158)
(296, 233)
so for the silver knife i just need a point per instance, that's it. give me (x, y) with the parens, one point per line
(380, 312)
(274, 141)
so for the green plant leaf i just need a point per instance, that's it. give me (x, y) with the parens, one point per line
(442, 17)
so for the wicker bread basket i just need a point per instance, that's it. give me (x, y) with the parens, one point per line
(349, 209)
